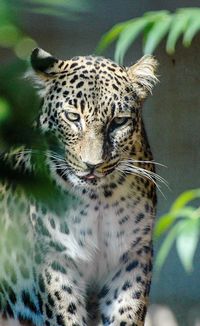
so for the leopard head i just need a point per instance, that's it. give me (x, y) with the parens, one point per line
(93, 107)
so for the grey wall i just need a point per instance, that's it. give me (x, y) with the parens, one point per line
(173, 122)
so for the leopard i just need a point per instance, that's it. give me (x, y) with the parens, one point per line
(88, 262)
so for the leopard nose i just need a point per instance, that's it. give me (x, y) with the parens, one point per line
(93, 166)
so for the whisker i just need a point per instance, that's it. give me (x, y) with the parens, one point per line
(155, 175)
(64, 172)
(128, 167)
(144, 175)
(144, 162)
(60, 166)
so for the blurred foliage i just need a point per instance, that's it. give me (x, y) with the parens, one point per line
(66, 9)
(4, 110)
(155, 26)
(18, 106)
(15, 94)
(182, 226)
(18, 101)
(12, 34)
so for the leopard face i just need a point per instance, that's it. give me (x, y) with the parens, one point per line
(93, 107)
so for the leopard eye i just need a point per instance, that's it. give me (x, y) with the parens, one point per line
(71, 116)
(118, 122)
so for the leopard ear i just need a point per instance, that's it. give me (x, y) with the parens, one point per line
(44, 66)
(42, 62)
(143, 75)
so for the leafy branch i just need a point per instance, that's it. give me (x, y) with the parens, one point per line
(182, 223)
(155, 26)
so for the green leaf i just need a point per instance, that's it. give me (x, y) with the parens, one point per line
(155, 25)
(163, 224)
(178, 26)
(4, 110)
(165, 247)
(153, 18)
(184, 198)
(186, 243)
(24, 47)
(153, 15)
(61, 8)
(75, 5)
(191, 11)
(191, 30)
(5, 14)
(49, 11)
(156, 34)
(9, 35)
(110, 37)
(127, 36)
(168, 219)
(50, 2)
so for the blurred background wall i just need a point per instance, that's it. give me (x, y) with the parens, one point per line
(172, 118)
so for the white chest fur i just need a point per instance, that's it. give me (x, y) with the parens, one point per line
(101, 231)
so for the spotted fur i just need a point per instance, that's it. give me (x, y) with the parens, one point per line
(91, 263)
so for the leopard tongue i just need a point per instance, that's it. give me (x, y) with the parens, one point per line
(90, 177)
